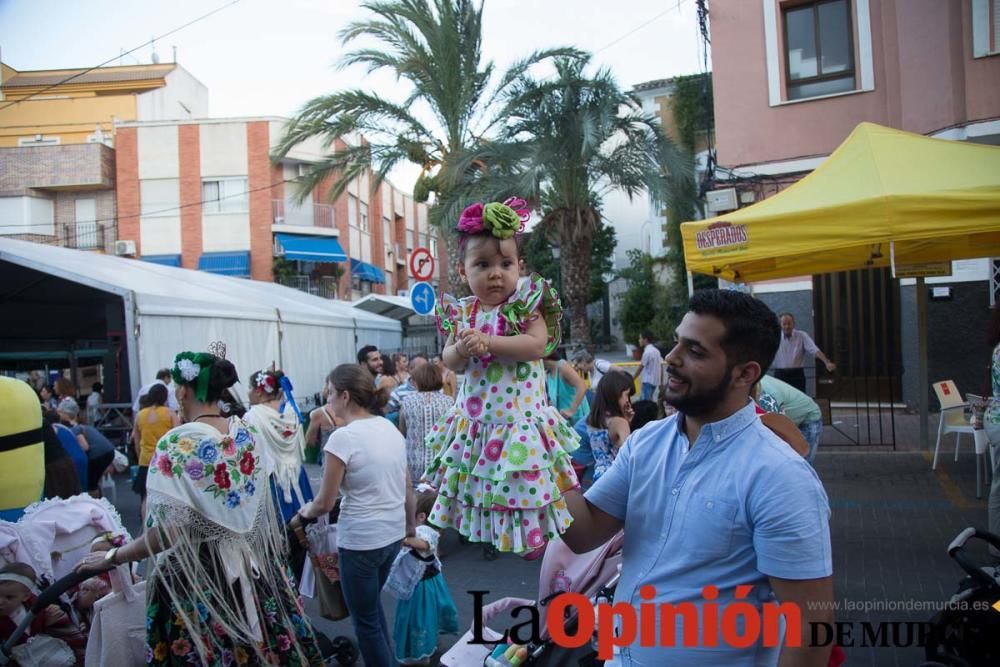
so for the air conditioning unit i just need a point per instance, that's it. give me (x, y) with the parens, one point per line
(721, 200)
(398, 253)
(125, 248)
(303, 169)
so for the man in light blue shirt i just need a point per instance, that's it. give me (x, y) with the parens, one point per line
(711, 497)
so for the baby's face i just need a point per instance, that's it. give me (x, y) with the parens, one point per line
(12, 596)
(491, 268)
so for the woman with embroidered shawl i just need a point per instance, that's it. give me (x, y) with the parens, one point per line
(280, 442)
(219, 591)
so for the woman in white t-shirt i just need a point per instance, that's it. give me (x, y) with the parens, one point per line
(365, 462)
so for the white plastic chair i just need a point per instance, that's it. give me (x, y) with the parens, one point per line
(953, 420)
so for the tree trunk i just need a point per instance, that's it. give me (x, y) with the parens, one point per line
(576, 240)
(456, 286)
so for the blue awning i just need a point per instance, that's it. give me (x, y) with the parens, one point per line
(311, 248)
(366, 271)
(235, 264)
(163, 260)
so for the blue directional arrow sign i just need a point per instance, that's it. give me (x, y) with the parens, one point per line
(422, 297)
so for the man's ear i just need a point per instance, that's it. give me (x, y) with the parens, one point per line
(746, 375)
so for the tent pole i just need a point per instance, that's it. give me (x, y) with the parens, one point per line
(690, 284)
(922, 380)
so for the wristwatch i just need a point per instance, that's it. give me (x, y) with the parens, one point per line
(109, 557)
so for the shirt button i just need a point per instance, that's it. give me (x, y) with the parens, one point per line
(709, 504)
(675, 491)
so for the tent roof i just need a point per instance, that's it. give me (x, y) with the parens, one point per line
(932, 199)
(166, 290)
(395, 307)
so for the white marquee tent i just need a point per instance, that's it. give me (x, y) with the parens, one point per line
(168, 309)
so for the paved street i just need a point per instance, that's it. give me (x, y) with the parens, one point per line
(892, 520)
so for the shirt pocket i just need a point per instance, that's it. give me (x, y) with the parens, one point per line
(708, 525)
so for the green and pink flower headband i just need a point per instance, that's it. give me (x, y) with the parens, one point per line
(501, 220)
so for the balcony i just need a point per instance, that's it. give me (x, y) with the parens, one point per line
(307, 215)
(324, 286)
(61, 167)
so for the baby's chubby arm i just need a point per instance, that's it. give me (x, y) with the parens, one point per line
(527, 346)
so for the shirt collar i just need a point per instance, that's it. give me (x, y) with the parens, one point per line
(723, 430)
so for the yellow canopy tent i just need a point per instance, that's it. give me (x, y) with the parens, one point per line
(883, 197)
(884, 194)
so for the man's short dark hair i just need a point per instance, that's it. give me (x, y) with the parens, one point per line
(419, 355)
(364, 352)
(648, 335)
(786, 315)
(163, 375)
(752, 329)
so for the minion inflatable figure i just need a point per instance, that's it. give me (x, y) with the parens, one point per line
(22, 454)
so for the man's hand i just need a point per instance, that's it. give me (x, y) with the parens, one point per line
(830, 366)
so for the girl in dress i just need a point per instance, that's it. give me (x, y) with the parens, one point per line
(501, 461)
(609, 419)
(281, 442)
(425, 608)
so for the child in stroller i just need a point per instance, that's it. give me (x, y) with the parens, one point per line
(38, 554)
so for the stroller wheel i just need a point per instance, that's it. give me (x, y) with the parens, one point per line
(344, 651)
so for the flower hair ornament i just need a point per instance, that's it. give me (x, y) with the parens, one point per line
(193, 368)
(265, 382)
(502, 220)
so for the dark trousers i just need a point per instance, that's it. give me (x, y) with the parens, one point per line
(793, 376)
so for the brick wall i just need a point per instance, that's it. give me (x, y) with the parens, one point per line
(189, 161)
(80, 165)
(127, 177)
(260, 175)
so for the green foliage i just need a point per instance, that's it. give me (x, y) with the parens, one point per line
(692, 104)
(283, 269)
(649, 302)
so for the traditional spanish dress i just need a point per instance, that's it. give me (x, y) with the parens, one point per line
(222, 594)
(502, 459)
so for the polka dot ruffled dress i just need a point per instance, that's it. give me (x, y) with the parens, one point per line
(502, 453)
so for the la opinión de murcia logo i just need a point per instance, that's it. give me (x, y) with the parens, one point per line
(720, 236)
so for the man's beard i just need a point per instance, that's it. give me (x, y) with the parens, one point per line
(696, 404)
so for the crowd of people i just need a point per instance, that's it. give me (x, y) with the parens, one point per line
(497, 438)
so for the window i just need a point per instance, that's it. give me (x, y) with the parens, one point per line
(434, 247)
(224, 195)
(386, 231)
(985, 28)
(352, 211)
(819, 49)
(159, 198)
(364, 217)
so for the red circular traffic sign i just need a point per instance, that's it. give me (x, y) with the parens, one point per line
(421, 264)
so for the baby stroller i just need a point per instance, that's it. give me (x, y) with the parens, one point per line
(52, 537)
(594, 575)
(967, 633)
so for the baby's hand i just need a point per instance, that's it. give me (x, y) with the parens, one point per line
(469, 343)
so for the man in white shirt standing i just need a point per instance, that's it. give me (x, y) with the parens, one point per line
(650, 370)
(789, 362)
(162, 377)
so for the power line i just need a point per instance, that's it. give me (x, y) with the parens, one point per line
(179, 207)
(676, 8)
(120, 55)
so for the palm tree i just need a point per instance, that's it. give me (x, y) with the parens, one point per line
(435, 47)
(567, 141)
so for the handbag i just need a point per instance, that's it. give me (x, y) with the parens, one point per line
(321, 574)
(119, 615)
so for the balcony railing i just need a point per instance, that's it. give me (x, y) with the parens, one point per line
(324, 286)
(287, 213)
